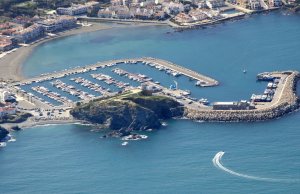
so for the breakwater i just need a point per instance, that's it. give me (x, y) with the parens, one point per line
(285, 101)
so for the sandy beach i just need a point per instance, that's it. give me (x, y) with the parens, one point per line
(11, 64)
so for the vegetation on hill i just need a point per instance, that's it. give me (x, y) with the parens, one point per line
(17, 118)
(129, 111)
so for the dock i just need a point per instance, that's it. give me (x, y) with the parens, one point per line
(285, 100)
(207, 81)
(54, 79)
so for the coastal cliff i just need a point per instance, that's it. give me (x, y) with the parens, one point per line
(133, 111)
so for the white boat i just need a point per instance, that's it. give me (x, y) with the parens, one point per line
(164, 124)
(2, 144)
(125, 143)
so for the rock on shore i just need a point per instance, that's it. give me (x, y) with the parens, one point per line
(3, 133)
(133, 111)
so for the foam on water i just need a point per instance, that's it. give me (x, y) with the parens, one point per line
(217, 163)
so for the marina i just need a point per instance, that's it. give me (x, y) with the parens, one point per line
(65, 88)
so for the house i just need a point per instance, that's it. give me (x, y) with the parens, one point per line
(7, 43)
(173, 8)
(215, 3)
(7, 111)
(123, 14)
(183, 18)
(160, 15)
(275, 3)
(243, 3)
(254, 5)
(28, 34)
(105, 13)
(75, 9)
(198, 15)
(58, 23)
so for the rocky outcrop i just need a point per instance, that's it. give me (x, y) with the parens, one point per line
(133, 112)
(3, 133)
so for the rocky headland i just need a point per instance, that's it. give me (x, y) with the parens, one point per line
(129, 111)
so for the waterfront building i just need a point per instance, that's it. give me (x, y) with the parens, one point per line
(58, 23)
(250, 4)
(254, 4)
(105, 13)
(243, 3)
(7, 43)
(275, 3)
(242, 105)
(160, 15)
(123, 14)
(198, 15)
(6, 96)
(7, 111)
(215, 3)
(8, 28)
(183, 18)
(3, 95)
(173, 8)
(143, 14)
(77, 9)
(28, 34)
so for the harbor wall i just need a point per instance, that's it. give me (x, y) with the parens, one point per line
(287, 102)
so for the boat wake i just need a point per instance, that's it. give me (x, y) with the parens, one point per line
(217, 163)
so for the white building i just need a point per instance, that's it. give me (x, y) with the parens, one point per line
(254, 4)
(28, 34)
(73, 10)
(7, 111)
(275, 3)
(215, 3)
(59, 23)
(4, 94)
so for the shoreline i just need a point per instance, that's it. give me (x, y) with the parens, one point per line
(11, 65)
(30, 123)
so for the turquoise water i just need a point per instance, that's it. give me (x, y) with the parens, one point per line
(177, 158)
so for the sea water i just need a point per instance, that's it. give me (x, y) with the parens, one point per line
(177, 158)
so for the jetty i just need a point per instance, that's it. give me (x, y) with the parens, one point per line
(54, 79)
(207, 81)
(285, 100)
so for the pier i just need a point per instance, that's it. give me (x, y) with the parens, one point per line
(285, 100)
(205, 80)
(55, 80)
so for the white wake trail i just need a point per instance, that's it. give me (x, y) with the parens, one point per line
(217, 163)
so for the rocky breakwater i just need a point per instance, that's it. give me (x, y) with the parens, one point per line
(285, 100)
(129, 111)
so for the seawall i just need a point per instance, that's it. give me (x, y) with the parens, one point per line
(287, 101)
